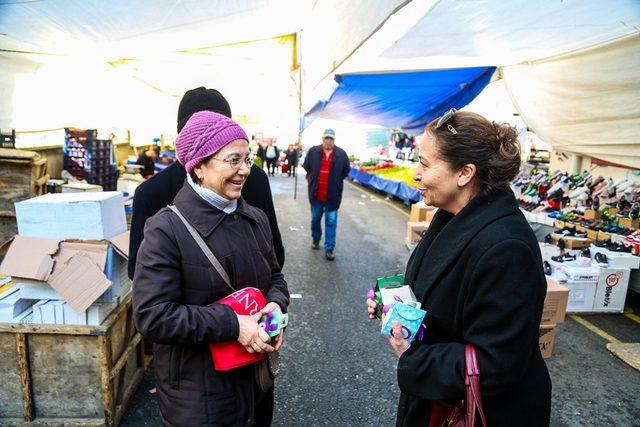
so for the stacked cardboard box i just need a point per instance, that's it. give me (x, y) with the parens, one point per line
(69, 262)
(415, 231)
(421, 212)
(553, 313)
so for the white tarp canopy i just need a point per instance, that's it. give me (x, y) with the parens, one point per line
(123, 64)
(570, 66)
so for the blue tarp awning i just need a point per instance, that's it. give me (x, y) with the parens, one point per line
(408, 100)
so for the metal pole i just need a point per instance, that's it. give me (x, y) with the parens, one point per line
(299, 50)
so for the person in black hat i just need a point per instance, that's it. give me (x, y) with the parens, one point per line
(158, 192)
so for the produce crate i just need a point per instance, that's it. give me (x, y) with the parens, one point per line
(62, 375)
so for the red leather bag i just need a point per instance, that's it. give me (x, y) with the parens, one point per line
(463, 414)
(231, 355)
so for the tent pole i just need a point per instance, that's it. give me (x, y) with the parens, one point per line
(299, 52)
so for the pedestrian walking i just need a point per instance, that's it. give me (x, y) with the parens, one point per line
(478, 273)
(292, 159)
(155, 194)
(175, 288)
(327, 166)
(272, 154)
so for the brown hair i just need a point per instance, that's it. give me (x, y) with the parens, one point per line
(492, 147)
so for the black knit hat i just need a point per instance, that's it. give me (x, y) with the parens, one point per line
(201, 99)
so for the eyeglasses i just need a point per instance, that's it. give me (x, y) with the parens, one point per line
(236, 162)
(446, 116)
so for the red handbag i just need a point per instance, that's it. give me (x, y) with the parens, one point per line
(246, 301)
(231, 354)
(463, 414)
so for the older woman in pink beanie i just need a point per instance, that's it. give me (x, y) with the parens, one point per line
(176, 286)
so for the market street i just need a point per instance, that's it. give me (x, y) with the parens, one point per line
(338, 370)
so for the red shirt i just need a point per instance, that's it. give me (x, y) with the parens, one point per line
(323, 177)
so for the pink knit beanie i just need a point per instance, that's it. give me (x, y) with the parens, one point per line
(205, 134)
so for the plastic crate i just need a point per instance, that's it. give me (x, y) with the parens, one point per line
(8, 139)
(81, 133)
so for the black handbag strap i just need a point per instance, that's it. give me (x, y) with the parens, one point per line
(200, 241)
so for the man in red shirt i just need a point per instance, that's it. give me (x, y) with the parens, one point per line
(327, 166)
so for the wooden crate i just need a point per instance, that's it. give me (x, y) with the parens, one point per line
(62, 375)
(23, 174)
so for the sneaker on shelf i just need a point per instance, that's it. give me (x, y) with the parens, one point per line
(547, 268)
(586, 252)
(601, 259)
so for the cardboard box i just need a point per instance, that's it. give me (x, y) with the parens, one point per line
(571, 242)
(574, 271)
(602, 236)
(80, 187)
(616, 259)
(85, 216)
(546, 339)
(555, 303)
(611, 290)
(591, 214)
(415, 230)
(581, 228)
(592, 235)
(80, 272)
(409, 317)
(421, 213)
(13, 305)
(581, 296)
(629, 223)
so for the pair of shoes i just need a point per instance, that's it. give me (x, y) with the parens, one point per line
(564, 258)
(329, 255)
(315, 244)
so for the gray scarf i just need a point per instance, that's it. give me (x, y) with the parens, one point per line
(214, 199)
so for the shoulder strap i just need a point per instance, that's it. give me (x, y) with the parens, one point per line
(472, 383)
(212, 258)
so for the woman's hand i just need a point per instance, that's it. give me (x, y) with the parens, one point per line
(398, 344)
(371, 308)
(252, 336)
(272, 306)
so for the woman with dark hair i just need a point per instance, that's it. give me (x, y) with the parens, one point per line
(478, 273)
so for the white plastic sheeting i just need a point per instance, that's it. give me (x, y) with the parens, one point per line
(587, 103)
(570, 92)
(508, 32)
(126, 64)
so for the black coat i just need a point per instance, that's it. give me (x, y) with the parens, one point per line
(158, 192)
(174, 292)
(479, 276)
(339, 171)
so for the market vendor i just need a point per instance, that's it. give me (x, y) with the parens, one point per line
(146, 159)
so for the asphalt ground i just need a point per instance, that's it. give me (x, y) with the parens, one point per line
(337, 370)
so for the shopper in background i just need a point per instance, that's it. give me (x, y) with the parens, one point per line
(175, 288)
(146, 159)
(156, 193)
(478, 273)
(327, 166)
(292, 159)
(271, 154)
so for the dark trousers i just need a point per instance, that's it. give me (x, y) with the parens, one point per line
(271, 166)
(292, 169)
